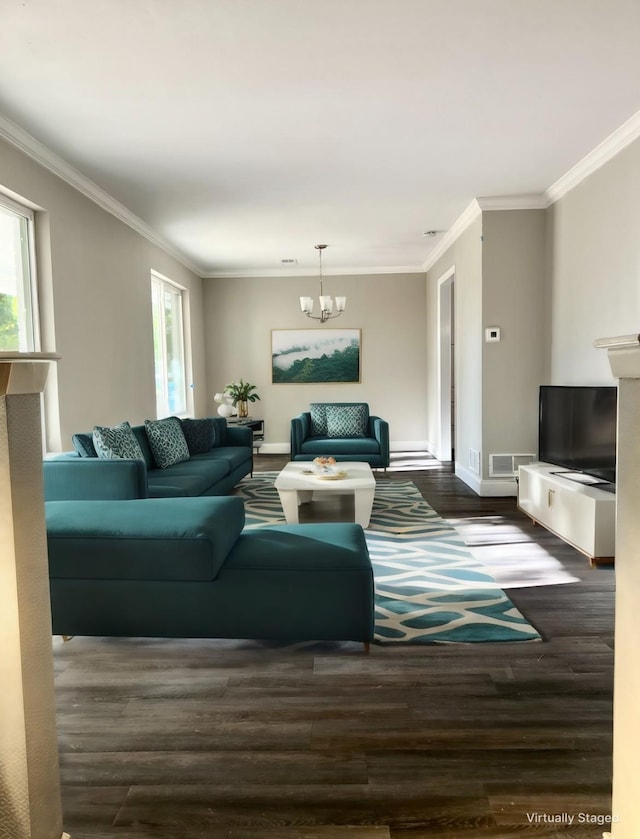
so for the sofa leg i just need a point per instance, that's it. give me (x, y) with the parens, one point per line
(366, 646)
(67, 637)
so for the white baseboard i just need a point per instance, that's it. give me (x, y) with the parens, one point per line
(496, 487)
(396, 446)
(470, 478)
(274, 448)
(410, 446)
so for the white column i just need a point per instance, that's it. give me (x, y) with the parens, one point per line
(30, 805)
(624, 358)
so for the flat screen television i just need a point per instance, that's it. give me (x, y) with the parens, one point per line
(577, 429)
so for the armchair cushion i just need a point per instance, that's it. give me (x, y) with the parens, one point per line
(318, 414)
(343, 448)
(347, 420)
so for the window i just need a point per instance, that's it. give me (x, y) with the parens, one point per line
(18, 313)
(169, 346)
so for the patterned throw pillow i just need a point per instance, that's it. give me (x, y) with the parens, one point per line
(347, 420)
(83, 444)
(167, 441)
(200, 434)
(318, 411)
(115, 443)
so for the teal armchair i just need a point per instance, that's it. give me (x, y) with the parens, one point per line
(344, 430)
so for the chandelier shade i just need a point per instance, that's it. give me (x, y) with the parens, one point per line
(326, 301)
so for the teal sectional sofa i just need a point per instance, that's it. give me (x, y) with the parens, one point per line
(209, 470)
(344, 430)
(186, 567)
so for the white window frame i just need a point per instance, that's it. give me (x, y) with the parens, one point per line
(30, 288)
(162, 399)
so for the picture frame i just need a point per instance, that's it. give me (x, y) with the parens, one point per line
(315, 356)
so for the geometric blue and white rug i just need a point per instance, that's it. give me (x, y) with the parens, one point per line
(429, 588)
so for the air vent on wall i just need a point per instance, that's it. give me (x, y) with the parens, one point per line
(506, 465)
(474, 461)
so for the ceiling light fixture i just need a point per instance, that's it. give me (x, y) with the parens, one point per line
(326, 302)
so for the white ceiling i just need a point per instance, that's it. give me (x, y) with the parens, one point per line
(246, 131)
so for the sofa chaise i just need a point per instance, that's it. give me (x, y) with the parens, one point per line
(186, 567)
(215, 459)
(344, 430)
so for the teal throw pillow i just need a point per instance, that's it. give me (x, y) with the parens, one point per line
(167, 441)
(347, 420)
(115, 443)
(83, 444)
(200, 434)
(318, 411)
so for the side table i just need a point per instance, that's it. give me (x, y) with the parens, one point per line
(256, 426)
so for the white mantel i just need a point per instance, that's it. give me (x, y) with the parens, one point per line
(24, 372)
(624, 358)
(30, 795)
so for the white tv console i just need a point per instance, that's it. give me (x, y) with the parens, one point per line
(581, 514)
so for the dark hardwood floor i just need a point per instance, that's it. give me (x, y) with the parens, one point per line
(192, 739)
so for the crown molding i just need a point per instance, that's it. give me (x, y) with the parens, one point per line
(490, 203)
(603, 153)
(37, 151)
(310, 272)
(530, 201)
(469, 215)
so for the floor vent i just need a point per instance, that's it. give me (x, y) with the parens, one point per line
(506, 465)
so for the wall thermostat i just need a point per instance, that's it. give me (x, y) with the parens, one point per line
(492, 333)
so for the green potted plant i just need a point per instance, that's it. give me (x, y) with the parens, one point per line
(241, 393)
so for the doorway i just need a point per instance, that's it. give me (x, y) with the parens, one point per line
(446, 367)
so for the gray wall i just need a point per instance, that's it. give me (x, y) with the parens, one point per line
(514, 294)
(500, 280)
(239, 314)
(595, 269)
(96, 305)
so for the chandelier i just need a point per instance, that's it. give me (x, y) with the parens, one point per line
(326, 301)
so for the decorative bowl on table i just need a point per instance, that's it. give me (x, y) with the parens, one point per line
(327, 468)
(324, 465)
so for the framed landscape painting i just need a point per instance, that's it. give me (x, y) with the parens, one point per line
(313, 356)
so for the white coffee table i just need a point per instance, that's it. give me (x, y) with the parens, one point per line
(297, 483)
